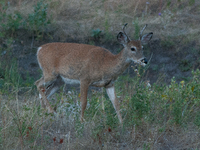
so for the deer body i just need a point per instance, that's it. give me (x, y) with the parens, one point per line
(87, 65)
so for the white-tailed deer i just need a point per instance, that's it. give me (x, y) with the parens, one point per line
(88, 65)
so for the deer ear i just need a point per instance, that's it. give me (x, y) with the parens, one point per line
(122, 38)
(146, 38)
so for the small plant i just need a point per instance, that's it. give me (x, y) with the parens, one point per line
(14, 22)
(155, 67)
(107, 35)
(168, 43)
(138, 106)
(37, 21)
(96, 34)
(191, 2)
(9, 68)
(185, 65)
(137, 29)
(11, 79)
(3, 19)
(9, 23)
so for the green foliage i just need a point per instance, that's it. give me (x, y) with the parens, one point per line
(174, 104)
(96, 33)
(197, 119)
(2, 19)
(191, 2)
(168, 3)
(146, 146)
(155, 67)
(185, 65)
(168, 43)
(9, 23)
(137, 29)
(11, 79)
(139, 103)
(29, 81)
(106, 24)
(14, 22)
(108, 36)
(136, 105)
(38, 20)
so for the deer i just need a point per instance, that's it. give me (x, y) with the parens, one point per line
(87, 65)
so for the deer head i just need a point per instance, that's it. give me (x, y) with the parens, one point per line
(134, 48)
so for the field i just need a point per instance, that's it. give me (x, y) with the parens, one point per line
(164, 115)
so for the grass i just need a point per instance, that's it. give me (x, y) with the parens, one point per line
(152, 117)
(109, 16)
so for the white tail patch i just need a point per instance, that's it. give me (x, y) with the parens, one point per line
(39, 48)
(37, 55)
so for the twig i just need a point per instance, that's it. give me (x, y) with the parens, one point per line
(68, 140)
(32, 41)
(18, 126)
(42, 133)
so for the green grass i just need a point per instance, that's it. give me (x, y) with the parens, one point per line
(36, 22)
(24, 123)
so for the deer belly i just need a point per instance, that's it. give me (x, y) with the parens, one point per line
(102, 83)
(70, 81)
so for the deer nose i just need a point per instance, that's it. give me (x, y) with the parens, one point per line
(144, 60)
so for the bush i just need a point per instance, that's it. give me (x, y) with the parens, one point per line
(37, 21)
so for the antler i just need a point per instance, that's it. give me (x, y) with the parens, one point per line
(142, 31)
(124, 27)
(125, 32)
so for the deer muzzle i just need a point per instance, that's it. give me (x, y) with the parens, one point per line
(144, 61)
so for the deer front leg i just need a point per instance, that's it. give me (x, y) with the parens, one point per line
(111, 94)
(84, 89)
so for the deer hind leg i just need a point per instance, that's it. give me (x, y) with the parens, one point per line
(84, 90)
(111, 94)
(42, 92)
(39, 83)
(55, 86)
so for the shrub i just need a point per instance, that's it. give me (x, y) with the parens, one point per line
(37, 21)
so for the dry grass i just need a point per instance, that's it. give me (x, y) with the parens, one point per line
(77, 18)
(29, 129)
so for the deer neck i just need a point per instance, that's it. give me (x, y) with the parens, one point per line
(122, 62)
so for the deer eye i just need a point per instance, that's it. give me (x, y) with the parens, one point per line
(132, 49)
